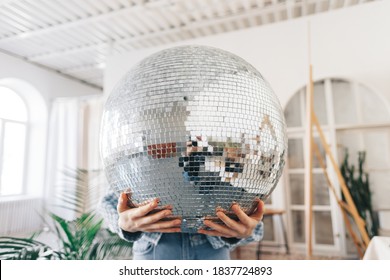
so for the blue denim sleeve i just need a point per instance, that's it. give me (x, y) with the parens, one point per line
(231, 243)
(110, 215)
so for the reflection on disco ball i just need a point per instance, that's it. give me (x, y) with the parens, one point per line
(197, 127)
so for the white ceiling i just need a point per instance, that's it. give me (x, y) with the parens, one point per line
(74, 37)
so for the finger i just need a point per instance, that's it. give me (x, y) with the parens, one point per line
(225, 231)
(153, 218)
(162, 225)
(258, 214)
(122, 203)
(145, 209)
(231, 223)
(242, 216)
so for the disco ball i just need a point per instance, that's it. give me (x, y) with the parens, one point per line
(197, 127)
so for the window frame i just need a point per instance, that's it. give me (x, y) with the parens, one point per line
(3, 122)
(331, 130)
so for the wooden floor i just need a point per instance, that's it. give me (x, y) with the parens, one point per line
(248, 252)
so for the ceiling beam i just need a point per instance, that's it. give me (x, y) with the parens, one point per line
(54, 70)
(175, 29)
(75, 23)
(194, 25)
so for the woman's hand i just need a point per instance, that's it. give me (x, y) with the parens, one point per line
(137, 219)
(237, 229)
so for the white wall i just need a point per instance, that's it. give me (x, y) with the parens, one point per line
(351, 43)
(38, 87)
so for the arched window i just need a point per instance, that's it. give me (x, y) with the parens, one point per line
(353, 118)
(13, 135)
(23, 134)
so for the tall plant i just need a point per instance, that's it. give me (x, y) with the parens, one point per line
(80, 238)
(357, 182)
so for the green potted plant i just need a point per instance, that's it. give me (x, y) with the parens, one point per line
(81, 238)
(357, 182)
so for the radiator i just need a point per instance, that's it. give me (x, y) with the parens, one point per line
(19, 217)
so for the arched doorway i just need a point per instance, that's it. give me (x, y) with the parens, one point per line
(353, 118)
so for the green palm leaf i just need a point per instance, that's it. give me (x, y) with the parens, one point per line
(12, 248)
(112, 248)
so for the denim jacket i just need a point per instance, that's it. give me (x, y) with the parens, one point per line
(109, 211)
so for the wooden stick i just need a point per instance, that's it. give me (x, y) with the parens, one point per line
(354, 213)
(309, 155)
(309, 169)
(349, 206)
(355, 239)
(343, 206)
(322, 164)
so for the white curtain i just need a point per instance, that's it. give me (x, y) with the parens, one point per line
(73, 152)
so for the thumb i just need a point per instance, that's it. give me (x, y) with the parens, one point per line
(122, 203)
(258, 215)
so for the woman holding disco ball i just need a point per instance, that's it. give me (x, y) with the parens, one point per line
(193, 140)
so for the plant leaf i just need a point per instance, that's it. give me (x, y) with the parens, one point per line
(12, 248)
